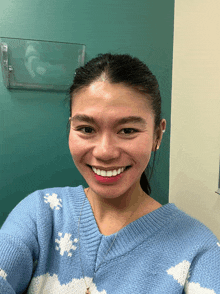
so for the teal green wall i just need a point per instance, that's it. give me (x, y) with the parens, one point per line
(34, 152)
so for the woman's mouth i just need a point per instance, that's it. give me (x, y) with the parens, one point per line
(108, 176)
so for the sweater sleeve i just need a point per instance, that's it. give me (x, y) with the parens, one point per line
(204, 271)
(18, 247)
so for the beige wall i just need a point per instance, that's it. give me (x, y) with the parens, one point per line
(195, 113)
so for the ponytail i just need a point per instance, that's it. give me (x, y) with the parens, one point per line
(144, 182)
(145, 185)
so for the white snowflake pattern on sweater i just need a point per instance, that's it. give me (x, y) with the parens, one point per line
(65, 244)
(180, 273)
(46, 284)
(3, 274)
(53, 200)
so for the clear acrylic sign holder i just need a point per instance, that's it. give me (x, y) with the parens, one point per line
(39, 65)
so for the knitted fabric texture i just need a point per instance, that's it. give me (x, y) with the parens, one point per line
(165, 251)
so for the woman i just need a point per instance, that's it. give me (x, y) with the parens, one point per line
(111, 237)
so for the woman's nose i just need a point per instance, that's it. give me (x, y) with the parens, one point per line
(106, 148)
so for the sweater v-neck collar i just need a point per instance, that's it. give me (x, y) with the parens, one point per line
(128, 237)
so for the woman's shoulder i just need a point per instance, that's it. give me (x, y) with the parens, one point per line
(40, 210)
(187, 227)
(53, 193)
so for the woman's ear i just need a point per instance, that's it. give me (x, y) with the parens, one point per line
(159, 134)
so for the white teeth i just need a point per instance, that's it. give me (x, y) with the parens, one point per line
(108, 173)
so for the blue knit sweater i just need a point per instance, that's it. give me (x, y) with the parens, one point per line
(165, 251)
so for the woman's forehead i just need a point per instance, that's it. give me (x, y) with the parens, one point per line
(103, 94)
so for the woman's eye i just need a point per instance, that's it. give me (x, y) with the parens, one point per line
(129, 129)
(85, 128)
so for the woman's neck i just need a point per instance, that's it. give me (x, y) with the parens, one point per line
(111, 214)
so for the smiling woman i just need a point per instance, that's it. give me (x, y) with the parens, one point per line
(136, 80)
(111, 237)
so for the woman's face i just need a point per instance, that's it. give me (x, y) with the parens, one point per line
(105, 144)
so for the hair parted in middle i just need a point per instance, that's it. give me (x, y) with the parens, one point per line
(121, 69)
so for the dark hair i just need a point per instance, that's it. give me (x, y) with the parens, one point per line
(127, 70)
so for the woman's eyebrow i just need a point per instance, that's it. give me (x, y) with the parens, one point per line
(123, 120)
